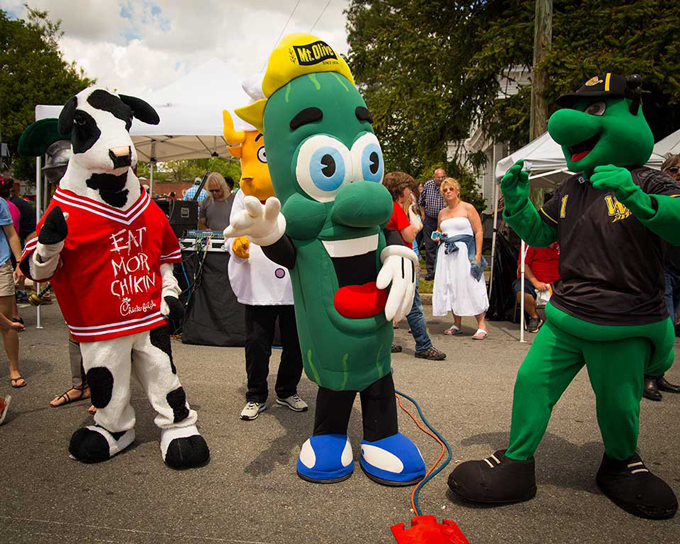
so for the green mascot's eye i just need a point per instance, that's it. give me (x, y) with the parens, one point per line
(367, 159)
(323, 165)
(598, 108)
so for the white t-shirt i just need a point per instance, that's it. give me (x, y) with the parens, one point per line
(257, 281)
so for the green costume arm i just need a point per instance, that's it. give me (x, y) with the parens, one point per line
(530, 227)
(519, 211)
(659, 213)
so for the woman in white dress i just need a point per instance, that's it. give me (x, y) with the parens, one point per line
(459, 283)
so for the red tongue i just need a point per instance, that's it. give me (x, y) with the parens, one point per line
(578, 156)
(359, 301)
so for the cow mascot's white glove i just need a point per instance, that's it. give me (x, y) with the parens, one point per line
(400, 268)
(171, 307)
(50, 243)
(263, 224)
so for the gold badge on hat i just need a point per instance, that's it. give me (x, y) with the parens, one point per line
(593, 81)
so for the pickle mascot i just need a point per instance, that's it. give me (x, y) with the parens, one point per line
(108, 251)
(325, 226)
(608, 312)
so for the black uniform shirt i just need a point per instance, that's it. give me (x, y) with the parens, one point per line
(611, 265)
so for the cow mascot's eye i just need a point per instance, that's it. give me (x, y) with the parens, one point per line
(323, 167)
(367, 159)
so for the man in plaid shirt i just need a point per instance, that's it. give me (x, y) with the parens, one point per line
(432, 202)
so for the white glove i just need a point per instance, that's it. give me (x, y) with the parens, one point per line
(414, 218)
(170, 287)
(263, 224)
(400, 268)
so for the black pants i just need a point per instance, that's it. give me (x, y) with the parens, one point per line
(260, 323)
(378, 410)
(429, 226)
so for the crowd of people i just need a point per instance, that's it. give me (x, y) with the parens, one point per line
(431, 218)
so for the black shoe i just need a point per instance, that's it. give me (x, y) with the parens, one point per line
(429, 277)
(631, 486)
(651, 391)
(664, 385)
(432, 354)
(495, 480)
(396, 348)
(534, 324)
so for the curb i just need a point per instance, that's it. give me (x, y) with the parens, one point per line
(426, 298)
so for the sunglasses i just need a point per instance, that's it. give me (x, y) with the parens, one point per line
(674, 169)
(214, 190)
(447, 189)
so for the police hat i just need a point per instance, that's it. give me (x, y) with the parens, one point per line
(603, 86)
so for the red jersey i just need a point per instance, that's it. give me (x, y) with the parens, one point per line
(398, 221)
(543, 261)
(108, 281)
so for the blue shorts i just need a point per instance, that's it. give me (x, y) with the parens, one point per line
(528, 287)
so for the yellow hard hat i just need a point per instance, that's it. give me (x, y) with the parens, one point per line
(297, 54)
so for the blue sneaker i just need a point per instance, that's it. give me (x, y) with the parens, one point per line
(326, 459)
(393, 461)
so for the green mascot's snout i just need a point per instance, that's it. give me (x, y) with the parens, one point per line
(362, 204)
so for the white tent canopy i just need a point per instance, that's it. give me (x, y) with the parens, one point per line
(191, 115)
(670, 145)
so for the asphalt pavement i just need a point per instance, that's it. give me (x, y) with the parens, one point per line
(250, 494)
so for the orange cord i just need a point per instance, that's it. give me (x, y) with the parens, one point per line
(428, 432)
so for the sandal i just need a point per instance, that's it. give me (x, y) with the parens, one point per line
(452, 331)
(15, 384)
(481, 334)
(66, 398)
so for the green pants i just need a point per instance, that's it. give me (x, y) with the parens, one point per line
(616, 371)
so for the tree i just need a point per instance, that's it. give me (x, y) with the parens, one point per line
(432, 69)
(188, 170)
(32, 71)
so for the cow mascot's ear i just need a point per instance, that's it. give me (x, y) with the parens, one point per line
(66, 116)
(141, 110)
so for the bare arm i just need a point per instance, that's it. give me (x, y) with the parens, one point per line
(15, 246)
(476, 224)
(13, 240)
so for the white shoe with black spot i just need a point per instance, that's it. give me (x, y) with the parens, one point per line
(252, 410)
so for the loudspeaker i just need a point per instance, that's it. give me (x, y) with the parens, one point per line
(182, 214)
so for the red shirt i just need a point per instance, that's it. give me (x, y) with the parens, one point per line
(108, 282)
(398, 221)
(543, 261)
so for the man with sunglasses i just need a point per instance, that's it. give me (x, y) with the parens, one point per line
(655, 384)
(214, 211)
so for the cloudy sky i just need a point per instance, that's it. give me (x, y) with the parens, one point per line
(138, 46)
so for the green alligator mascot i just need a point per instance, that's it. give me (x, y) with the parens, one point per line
(608, 311)
(325, 226)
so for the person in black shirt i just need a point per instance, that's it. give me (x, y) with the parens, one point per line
(27, 219)
(655, 384)
(607, 312)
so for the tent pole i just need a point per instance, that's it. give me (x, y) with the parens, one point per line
(495, 220)
(38, 213)
(152, 162)
(521, 313)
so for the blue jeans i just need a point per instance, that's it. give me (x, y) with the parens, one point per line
(416, 321)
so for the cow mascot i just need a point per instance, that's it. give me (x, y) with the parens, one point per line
(108, 251)
(325, 226)
(607, 312)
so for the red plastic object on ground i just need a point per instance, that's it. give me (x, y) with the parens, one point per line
(426, 530)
